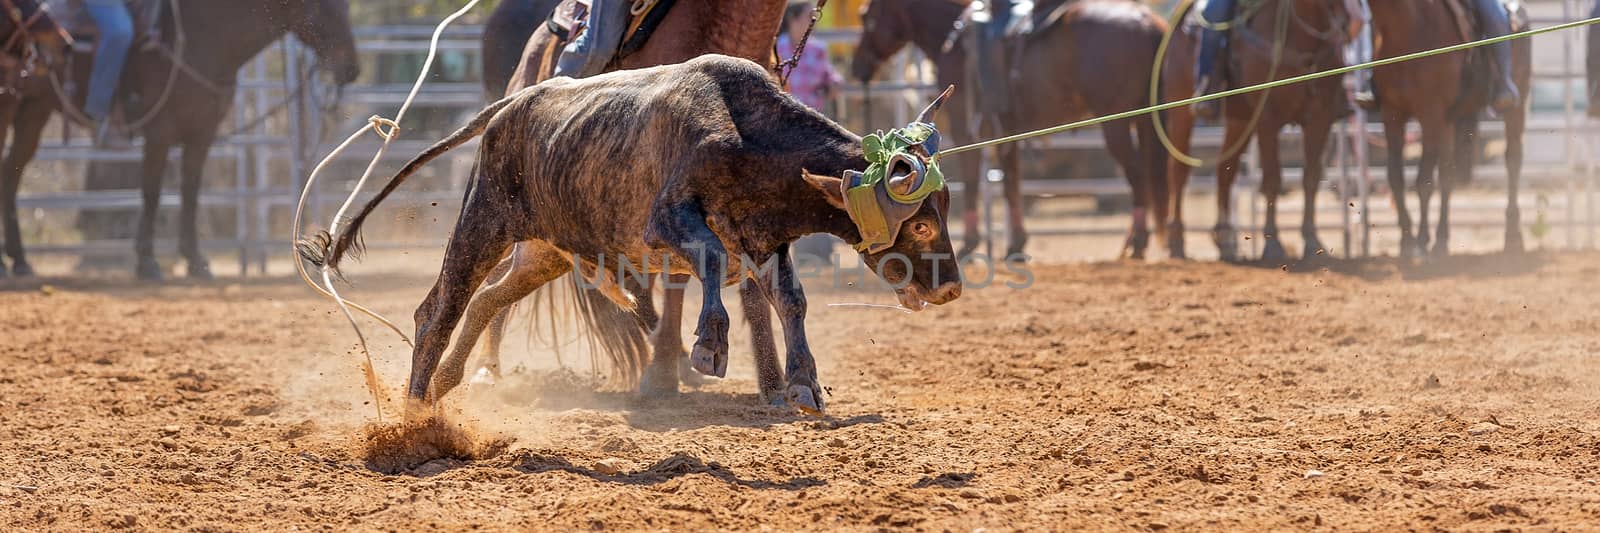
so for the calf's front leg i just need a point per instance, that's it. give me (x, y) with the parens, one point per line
(682, 228)
(782, 288)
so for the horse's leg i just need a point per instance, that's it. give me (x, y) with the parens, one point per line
(1153, 158)
(662, 374)
(1180, 127)
(683, 229)
(758, 312)
(1516, 122)
(1271, 187)
(195, 152)
(8, 188)
(1119, 141)
(1011, 159)
(533, 264)
(1315, 137)
(1433, 140)
(1455, 165)
(782, 288)
(1223, 233)
(1394, 133)
(479, 241)
(154, 166)
(669, 361)
(29, 128)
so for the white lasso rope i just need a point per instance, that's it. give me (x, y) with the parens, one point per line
(387, 129)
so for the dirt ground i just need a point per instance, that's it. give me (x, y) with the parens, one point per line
(1350, 395)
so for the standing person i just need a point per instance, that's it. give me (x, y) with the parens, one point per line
(114, 23)
(814, 82)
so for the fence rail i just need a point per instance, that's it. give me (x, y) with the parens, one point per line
(1562, 154)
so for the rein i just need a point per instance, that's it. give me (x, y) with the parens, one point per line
(21, 40)
(788, 65)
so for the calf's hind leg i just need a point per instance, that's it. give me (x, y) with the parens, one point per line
(479, 241)
(533, 264)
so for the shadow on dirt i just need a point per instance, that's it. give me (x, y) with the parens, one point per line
(674, 466)
(1484, 266)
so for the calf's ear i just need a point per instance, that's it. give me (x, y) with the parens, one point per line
(831, 188)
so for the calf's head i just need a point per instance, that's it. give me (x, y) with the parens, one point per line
(900, 207)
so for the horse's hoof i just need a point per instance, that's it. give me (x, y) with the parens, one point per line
(1440, 250)
(1175, 242)
(1136, 244)
(968, 245)
(21, 269)
(200, 270)
(1017, 245)
(706, 361)
(483, 376)
(1273, 252)
(686, 373)
(148, 269)
(654, 386)
(1514, 241)
(1227, 243)
(807, 399)
(1314, 249)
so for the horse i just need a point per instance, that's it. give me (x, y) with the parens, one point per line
(26, 33)
(505, 33)
(187, 85)
(689, 29)
(1284, 38)
(1445, 94)
(1081, 59)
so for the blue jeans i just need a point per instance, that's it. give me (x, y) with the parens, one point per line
(1211, 41)
(115, 24)
(1494, 22)
(588, 54)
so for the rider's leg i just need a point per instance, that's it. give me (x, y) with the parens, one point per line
(111, 52)
(1493, 20)
(1215, 12)
(588, 54)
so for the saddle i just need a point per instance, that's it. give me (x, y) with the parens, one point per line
(645, 16)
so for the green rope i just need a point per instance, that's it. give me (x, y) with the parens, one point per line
(1264, 86)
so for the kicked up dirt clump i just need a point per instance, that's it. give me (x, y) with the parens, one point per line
(399, 447)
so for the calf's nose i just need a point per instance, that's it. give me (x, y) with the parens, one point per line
(947, 292)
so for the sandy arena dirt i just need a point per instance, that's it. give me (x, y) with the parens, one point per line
(1165, 396)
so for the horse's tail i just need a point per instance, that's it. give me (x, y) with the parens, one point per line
(618, 336)
(325, 250)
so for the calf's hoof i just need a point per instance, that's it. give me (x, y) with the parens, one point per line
(484, 376)
(148, 269)
(808, 399)
(709, 362)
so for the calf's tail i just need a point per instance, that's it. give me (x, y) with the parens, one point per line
(326, 250)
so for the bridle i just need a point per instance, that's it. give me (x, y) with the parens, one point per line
(18, 54)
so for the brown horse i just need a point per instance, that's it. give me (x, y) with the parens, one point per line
(1445, 94)
(1085, 58)
(505, 33)
(219, 36)
(690, 29)
(1310, 33)
(26, 33)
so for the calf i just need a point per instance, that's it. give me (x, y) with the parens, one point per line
(694, 168)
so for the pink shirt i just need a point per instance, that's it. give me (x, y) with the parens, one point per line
(813, 75)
